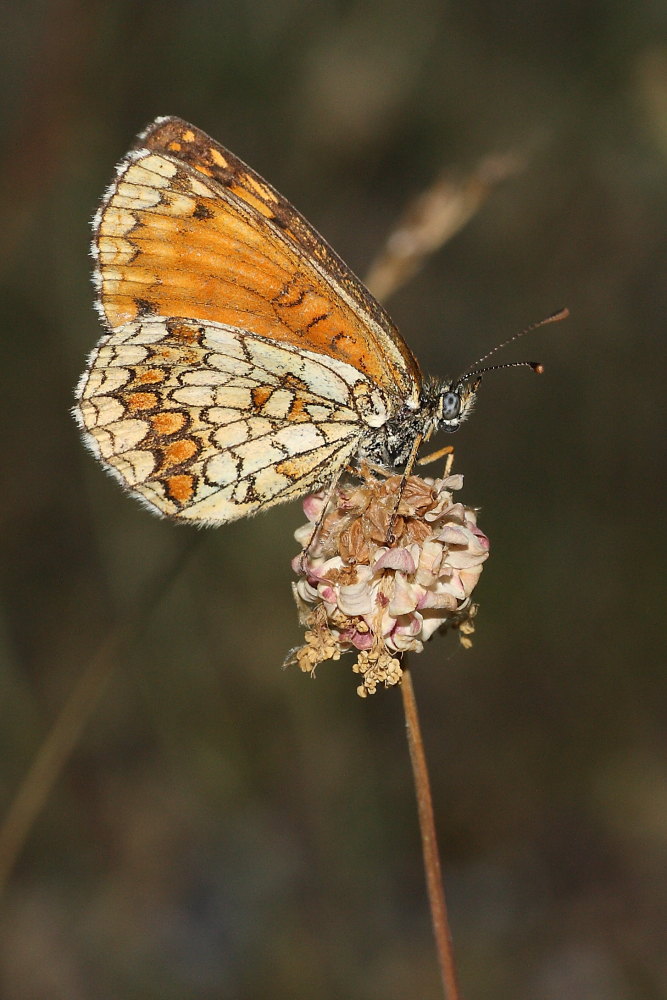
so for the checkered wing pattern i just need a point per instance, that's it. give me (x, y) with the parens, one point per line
(210, 423)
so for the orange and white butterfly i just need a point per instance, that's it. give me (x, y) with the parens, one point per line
(244, 364)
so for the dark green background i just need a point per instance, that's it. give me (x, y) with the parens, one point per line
(225, 829)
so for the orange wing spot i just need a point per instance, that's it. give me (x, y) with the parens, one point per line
(189, 334)
(168, 422)
(261, 189)
(181, 488)
(175, 147)
(297, 411)
(260, 394)
(250, 199)
(150, 377)
(218, 158)
(291, 468)
(338, 341)
(179, 452)
(170, 355)
(202, 169)
(188, 135)
(141, 401)
(294, 382)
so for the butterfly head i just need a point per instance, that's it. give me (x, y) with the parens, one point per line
(454, 402)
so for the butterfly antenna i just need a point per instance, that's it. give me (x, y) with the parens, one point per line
(535, 365)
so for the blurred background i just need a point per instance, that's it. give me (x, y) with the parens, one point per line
(205, 824)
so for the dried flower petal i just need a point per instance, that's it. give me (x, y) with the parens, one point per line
(398, 558)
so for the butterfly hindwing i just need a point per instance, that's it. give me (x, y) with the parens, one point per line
(209, 423)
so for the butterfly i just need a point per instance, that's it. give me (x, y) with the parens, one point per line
(243, 363)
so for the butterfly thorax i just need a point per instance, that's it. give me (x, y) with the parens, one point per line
(443, 405)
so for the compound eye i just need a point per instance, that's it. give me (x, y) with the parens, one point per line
(451, 405)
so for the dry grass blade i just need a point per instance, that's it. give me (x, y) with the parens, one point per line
(433, 217)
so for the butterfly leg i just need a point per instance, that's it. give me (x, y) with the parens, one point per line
(318, 524)
(366, 467)
(435, 455)
(409, 465)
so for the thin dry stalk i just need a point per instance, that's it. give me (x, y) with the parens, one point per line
(59, 743)
(436, 892)
(433, 217)
(53, 754)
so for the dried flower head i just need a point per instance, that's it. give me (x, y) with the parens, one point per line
(357, 592)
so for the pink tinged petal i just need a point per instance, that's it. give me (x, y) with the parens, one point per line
(462, 559)
(453, 535)
(410, 625)
(465, 558)
(454, 586)
(313, 506)
(317, 569)
(407, 638)
(405, 598)
(443, 507)
(430, 562)
(415, 551)
(310, 565)
(454, 482)
(480, 536)
(431, 624)
(457, 512)
(297, 564)
(327, 593)
(357, 598)
(438, 598)
(404, 635)
(362, 640)
(404, 644)
(412, 646)
(437, 512)
(303, 536)
(399, 558)
(443, 489)
(478, 541)
(306, 591)
(469, 578)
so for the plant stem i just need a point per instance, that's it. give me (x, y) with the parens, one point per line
(51, 758)
(59, 743)
(436, 892)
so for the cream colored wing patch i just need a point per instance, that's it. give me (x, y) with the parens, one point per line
(208, 423)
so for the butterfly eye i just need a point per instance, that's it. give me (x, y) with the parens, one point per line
(450, 403)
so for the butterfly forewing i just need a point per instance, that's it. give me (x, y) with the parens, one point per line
(192, 147)
(189, 230)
